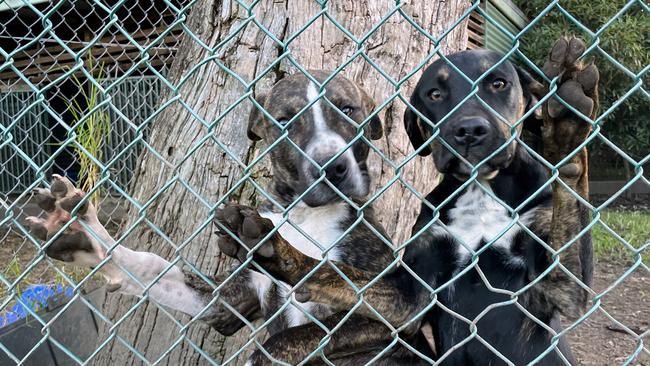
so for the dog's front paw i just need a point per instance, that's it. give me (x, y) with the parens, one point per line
(74, 245)
(254, 235)
(249, 227)
(577, 86)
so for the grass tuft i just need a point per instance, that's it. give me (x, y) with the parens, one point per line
(632, 227)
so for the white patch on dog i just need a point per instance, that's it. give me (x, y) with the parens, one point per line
(295, 314)
(322, 224)
(476, 218)
(326, 142)
(316, 108)
(170, 290)
(261, 284)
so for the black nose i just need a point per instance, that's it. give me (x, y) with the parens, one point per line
(335, 172)
(471, 132)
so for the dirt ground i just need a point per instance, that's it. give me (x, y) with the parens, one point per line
(600, 340)
(596, 341)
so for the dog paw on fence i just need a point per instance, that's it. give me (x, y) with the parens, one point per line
(563, 133)
(72, 233)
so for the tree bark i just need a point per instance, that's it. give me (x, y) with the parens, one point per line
(202, 152)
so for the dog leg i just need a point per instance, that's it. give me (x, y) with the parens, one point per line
(86, 243)
(562, 134)
(393, 295)
(357, 336)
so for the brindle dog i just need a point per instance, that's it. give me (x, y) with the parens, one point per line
(321, 225)
(498, 250)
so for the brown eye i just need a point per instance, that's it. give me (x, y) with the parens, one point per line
(347, 110)
(435, 94)
(282, 121)
(499, 84)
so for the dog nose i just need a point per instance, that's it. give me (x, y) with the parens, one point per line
(335, 172)
(471, 132)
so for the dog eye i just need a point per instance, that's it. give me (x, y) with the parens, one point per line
(347, 110)
(282, 121)
(499, 84)
(435, 94)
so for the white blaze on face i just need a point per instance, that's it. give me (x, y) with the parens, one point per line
(325, 142)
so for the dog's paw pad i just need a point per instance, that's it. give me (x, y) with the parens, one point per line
(571, 170)
(74, 244)
(37, 227)
(44, 199)
(555, 63)
(69, 244)
(575, 96)
(572, 93)
(575, 50)
(564, 56)
(69, 203)
(588, 78)
(61, 186)
(249, 227)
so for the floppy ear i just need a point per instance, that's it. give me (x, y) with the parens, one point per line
(373, 129)
(256, 120)
(414, 128)
(533, 91)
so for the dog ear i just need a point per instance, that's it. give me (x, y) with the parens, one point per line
(413, 127)
(373, 129)
(256, 119)
(533, 91)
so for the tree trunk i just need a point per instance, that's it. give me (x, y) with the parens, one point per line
(197, 145)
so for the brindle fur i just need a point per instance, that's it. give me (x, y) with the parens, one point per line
(558, 219)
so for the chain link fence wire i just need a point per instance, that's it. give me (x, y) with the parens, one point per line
(109, 59)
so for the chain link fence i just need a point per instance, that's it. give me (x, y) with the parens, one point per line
(66, 64)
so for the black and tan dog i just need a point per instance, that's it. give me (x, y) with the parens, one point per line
(310, 147)
(495, 250)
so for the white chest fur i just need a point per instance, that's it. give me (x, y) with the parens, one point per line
(478, 218)
(312, 230)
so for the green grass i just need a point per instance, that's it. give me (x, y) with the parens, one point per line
(633, 227)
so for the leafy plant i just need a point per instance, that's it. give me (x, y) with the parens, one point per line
(626, 40)
(92, 127)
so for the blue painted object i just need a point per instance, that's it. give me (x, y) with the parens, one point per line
(35, 297)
